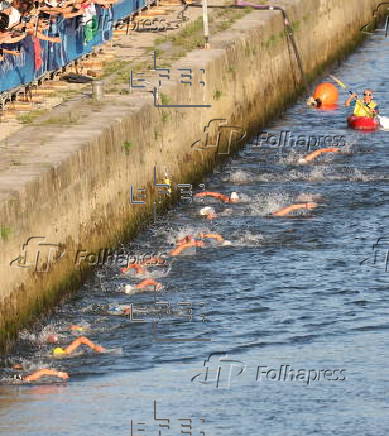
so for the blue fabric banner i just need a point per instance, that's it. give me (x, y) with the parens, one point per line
(78, 37)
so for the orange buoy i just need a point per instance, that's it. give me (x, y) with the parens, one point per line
(327, 93)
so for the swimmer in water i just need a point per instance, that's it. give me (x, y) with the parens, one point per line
(147, 283)
(74, 329)
(81, 340)
(134, 266)
(139, 267)
(53, 334)
(185, 240)
(233, 198)
(144, 285)
(295, 207)
(121, 310)
(52, 339)
(45, 372)
(314, 101)
(17, 366)
(184, 246)
(214, 237)
(209, 212)
(106, 309)
(311, 156)
(78, 328)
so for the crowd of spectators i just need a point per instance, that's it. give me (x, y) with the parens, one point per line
(20, 18)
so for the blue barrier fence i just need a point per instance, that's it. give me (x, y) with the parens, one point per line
(78, 38)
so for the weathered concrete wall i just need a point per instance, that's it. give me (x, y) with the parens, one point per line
(71, 184)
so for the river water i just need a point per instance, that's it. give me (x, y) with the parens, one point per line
(287, 300)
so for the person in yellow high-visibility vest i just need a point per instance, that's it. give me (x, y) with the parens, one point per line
(363, 108)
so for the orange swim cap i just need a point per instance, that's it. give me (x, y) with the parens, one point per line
(327, 93)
